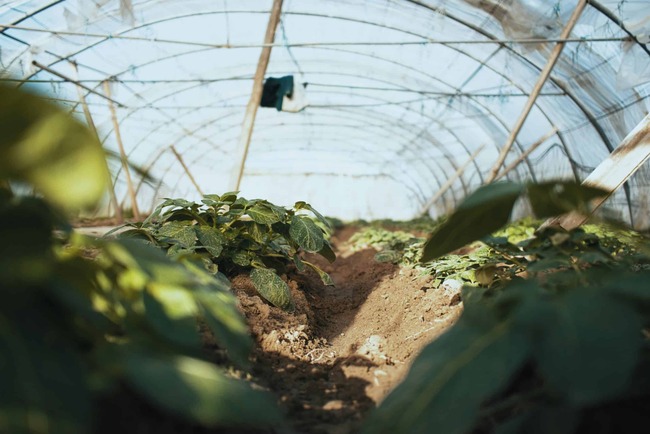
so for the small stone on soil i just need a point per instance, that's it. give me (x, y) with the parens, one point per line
(335, 404)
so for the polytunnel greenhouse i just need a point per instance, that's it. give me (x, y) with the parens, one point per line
(324, 216)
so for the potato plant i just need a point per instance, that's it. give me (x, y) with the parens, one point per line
(232, 234)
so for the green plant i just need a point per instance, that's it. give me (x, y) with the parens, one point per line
(380, 239)
(81, 316)
(232, 233)
(561, 351)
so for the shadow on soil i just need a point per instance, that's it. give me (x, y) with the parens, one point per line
(315, 393)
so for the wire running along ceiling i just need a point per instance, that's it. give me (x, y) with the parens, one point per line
(401, 93)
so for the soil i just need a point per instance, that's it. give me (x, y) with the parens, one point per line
(334, 358)
(345, 347)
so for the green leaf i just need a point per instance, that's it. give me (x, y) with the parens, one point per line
(44, 146)
(171, 312)
(212, 197)
(319, 216)
(219, 309)
(480, 214)
(26, 250)
(181, 232)
(176, 251)
(543, 420)
(279, 211)
(43, 379)
(257, 231)
(229, 197)
(210, 238)
(282, 229)
(72, 288)
(139, 258)
(241, 258)
(327, 280)
(633, 289)
(272, 288)
(198, 391)
(594, 257)
(391, 256)
(327, 252)
(305, 232)
(178, 203)
(300, 266)
(262, 214)
(589, 346)
(450, 380)
(240, 203)
(554, 198)
(136, 233)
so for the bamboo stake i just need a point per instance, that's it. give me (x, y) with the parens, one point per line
(187, 171)
(544, 74)
(125, 165)
(256, 94)
(528, 151)
(91, 125)
(447, 185)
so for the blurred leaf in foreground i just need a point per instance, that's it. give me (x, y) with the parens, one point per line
(44, 146)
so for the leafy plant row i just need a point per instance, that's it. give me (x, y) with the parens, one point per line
(81, 318)
(557, 349)
(232, 234)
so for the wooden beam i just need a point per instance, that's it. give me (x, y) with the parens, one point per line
(447, 185)
(93, 128)
(125, 164)
(613, 172)
(187, 171)
(256, 95)
(543, 76)
(525, 155)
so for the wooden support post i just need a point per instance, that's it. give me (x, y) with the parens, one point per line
(447, 185)
(544, 74)
(91, 125)
(187, 171)
(125, 164)
(525, 155)
(613, 172)
(256, 94)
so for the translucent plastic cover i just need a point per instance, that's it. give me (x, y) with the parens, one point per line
(397, 95)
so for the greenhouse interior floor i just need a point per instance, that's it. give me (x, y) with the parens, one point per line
(333, 359)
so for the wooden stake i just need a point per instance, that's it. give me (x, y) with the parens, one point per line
(612, 173)
(544, 74)
(528, 151)
(187, 171)
(91, 125)
(125, 164)
(256, 95)
(447, 185)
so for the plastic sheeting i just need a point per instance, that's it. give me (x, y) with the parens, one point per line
(400, 93)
